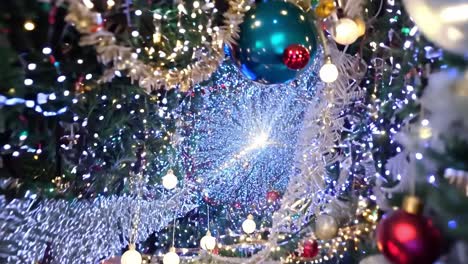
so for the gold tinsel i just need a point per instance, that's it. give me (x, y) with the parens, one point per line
(155, 77)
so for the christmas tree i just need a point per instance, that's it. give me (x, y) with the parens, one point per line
(233, 131)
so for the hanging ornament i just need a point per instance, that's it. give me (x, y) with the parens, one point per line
(264, 36)
(406, 237)
(131, 256)
(329, 72)
(458, 178)
(375, 259)
(326, 227)
(249, 226)
(237, 205)
(346, 31)
(443, 22)
(169, 181)
(171, 257)
(296, 57)
(272, 196)
(325, 8)
(208, 242)
(310, 249)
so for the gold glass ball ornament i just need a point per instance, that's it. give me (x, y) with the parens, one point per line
(325, 8)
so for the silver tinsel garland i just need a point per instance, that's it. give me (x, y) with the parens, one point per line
(81, 231)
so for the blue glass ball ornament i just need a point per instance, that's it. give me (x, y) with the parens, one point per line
(268, 29)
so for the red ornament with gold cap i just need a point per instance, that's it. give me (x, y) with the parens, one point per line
(296, 57)
(406, 236)
(310, 249)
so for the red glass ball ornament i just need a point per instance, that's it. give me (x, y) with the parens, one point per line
(406, 238)
(296, 57)
(310, 249)
(237, 205)
(272, 196)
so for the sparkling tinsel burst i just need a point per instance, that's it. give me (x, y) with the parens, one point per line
(246, 135)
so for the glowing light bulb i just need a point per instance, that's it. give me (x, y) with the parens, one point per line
(346, 31)
(260, 140)
(169, 181)
(329, 72)
(208, 242)
(249, 226)
(46, 51)
(131, 256)
(171, 257)
(29, 26)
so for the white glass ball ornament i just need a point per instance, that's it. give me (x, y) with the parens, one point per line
(375, 259)
(329, 72)
(346, 31)
(208, 242)
(131, 256)
(444, 22)
(169, 181)
(171, 257)
(249, 226)
(326, 227)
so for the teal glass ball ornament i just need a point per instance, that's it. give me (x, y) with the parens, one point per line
(268, 29)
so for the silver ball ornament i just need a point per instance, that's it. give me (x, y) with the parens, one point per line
(326, 227)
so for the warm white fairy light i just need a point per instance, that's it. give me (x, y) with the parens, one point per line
(32, 66)
(110, 3)
(46, 50)
(28, 82)
(29, 26)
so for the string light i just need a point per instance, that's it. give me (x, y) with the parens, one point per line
(29, 26)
